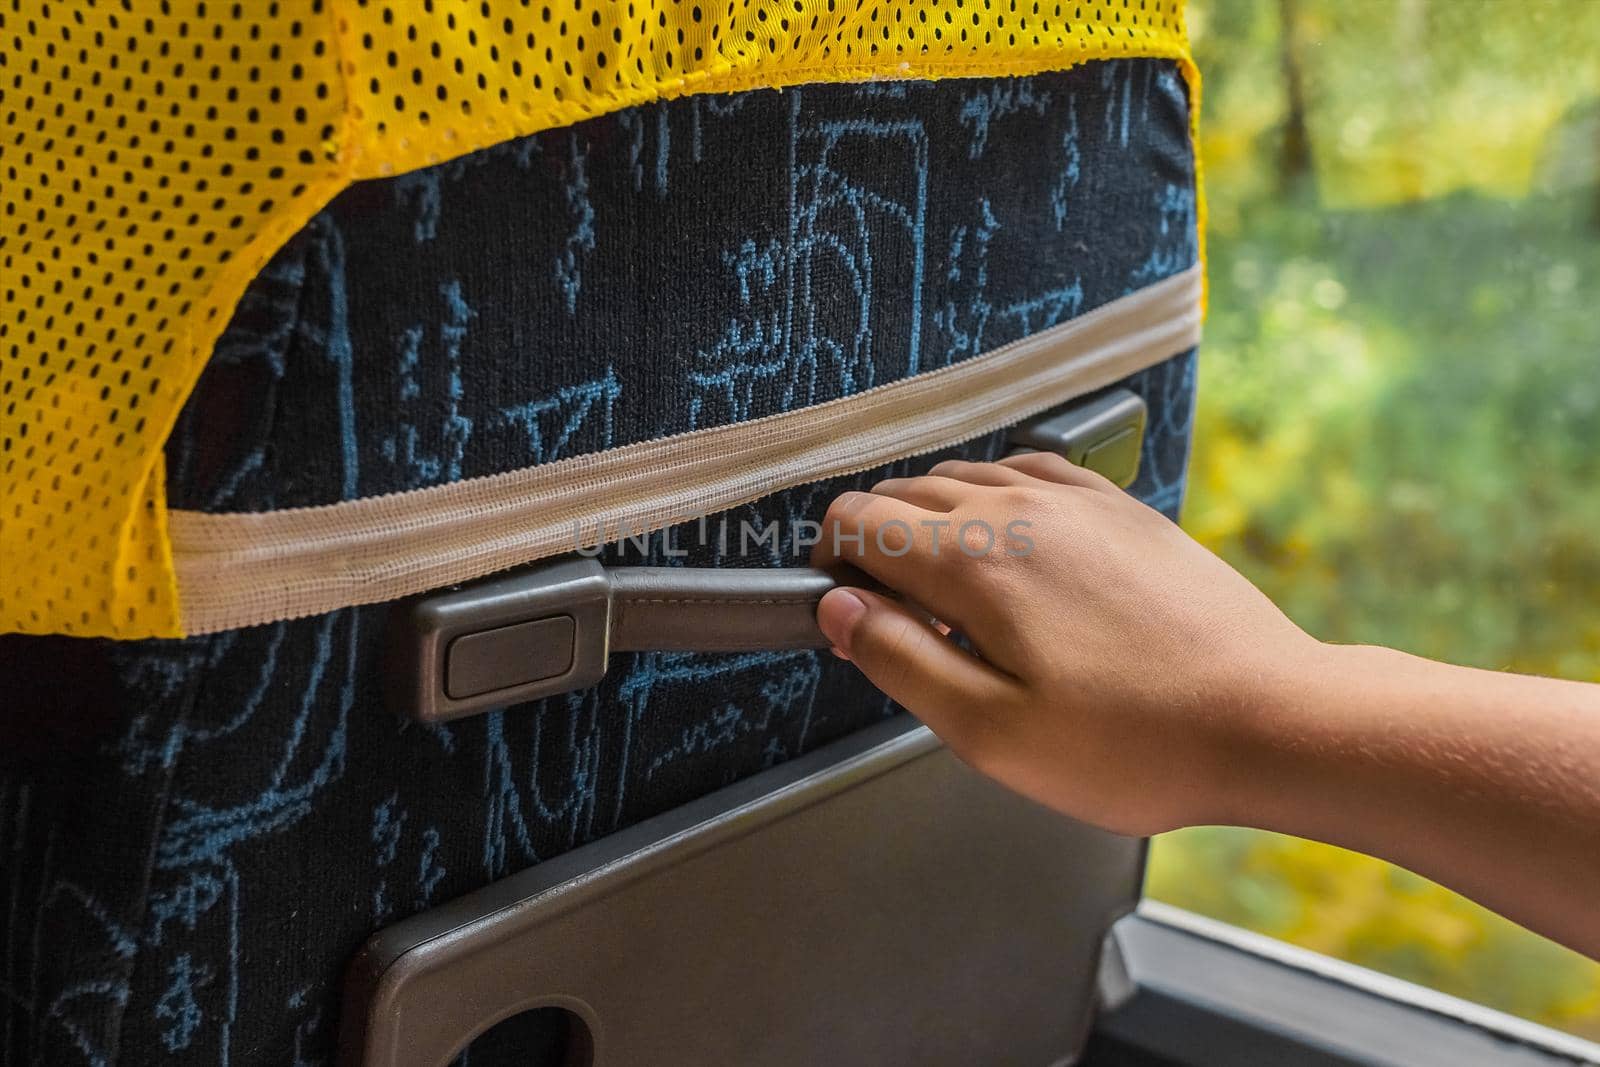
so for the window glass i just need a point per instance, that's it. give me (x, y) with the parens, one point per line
(1398, 435)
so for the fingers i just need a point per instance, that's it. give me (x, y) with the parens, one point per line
(1049, 467)
(1022, 468)
(950, 483)
(929, 492)
(950, 690)
(890, 539)
(977, 473)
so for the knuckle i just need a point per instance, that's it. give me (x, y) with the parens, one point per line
(1096, 480)
(876, 510)
(1045, 466)
(1042, 463)
(944, 486)
(891, 486)
(1021, 501)
(854, 509)
(837, 510)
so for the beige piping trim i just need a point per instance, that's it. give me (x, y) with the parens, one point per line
(244, 569)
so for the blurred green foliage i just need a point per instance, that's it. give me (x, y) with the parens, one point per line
(1398, 436)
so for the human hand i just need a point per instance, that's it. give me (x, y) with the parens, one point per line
(1120, 668)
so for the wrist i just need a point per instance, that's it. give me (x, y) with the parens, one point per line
(1276, 721)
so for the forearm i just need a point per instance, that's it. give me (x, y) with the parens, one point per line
(1486, 782)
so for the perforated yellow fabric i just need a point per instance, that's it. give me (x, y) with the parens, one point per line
(155, 153)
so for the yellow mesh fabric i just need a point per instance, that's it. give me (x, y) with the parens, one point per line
(155, 153)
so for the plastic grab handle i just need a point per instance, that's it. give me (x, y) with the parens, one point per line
(550, 629)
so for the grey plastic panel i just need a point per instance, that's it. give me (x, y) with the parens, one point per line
(873, 902)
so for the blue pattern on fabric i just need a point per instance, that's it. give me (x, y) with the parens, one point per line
(197, 835)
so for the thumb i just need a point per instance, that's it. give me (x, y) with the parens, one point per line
(914, 664)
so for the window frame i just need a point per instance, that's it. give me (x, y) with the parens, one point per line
(1178, 989)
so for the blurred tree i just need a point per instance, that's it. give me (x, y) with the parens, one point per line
(1294, 158)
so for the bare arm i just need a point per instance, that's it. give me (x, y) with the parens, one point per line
(1127, 677)
(1487, 782)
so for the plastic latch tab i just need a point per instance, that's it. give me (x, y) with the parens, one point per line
(1103, 432)
(505, 640)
